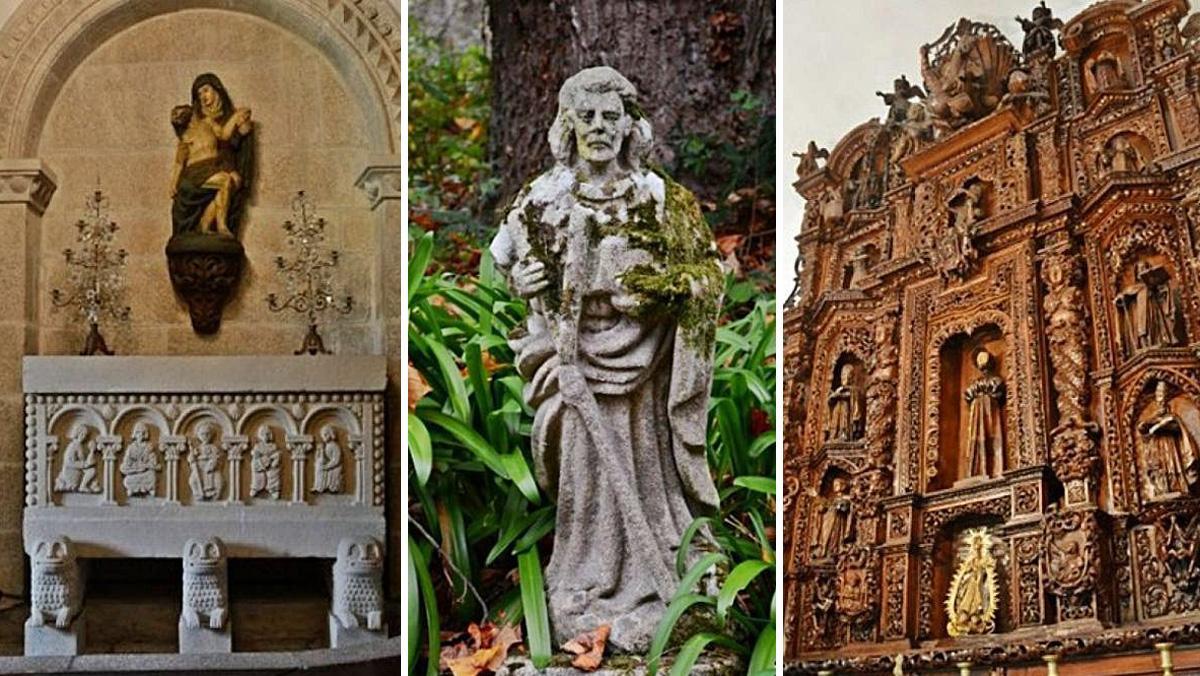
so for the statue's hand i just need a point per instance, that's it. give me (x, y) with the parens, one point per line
(529, 278)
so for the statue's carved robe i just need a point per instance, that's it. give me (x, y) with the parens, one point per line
(650, 387)
(985, 436)
(1170, 454)
(845, 413)
(836, 523)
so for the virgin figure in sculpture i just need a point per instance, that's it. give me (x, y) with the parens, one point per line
(213, 161)
(623, 285)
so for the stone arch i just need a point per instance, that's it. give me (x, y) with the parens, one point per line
(43, 42)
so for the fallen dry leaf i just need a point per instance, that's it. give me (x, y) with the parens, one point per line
(418, 387)
(588, 648)
(480, 650)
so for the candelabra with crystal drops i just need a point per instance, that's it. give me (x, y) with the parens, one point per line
(95, 274)
(308, 275)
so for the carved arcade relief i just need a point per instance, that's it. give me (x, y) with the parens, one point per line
(328, 463)
(206, 479)
(78, 470)
(266, 465)
(140, 463)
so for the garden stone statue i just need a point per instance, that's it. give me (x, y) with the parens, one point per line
(624, 287)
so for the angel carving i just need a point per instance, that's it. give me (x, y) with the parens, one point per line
(1039, 31)
(808, 159)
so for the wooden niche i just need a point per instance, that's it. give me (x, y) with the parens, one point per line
(973, 428)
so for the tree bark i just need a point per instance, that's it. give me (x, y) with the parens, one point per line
(686, 57)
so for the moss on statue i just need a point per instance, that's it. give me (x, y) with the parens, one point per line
(685, 279)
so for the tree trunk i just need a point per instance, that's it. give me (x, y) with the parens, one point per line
(686, 57)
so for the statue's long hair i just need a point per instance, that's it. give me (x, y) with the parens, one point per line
(600, 80)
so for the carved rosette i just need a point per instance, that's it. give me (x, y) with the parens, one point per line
(1073, 440)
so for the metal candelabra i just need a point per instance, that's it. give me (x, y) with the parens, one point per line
(308, 276)
(95, 274)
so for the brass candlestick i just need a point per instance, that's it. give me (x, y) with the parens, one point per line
(308, 276)
(95, 277)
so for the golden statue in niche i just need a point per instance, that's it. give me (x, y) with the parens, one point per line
(845, 407)
(985, 436)
(1169, 452)
(971, 603)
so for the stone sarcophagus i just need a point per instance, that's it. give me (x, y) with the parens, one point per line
(201, 459)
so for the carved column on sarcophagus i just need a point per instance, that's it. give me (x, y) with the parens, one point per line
(174, 446)
(1073, 441)
(110, 447)
(235, 449)
(1074, 546)
(299, 446)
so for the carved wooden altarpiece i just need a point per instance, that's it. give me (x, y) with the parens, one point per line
(997, 326)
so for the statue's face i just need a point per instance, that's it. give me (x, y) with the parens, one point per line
(601, 125)
(209, 98)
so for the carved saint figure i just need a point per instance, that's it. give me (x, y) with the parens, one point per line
(954, 248)
(328, 476)
(837, 521)
(1039, 31)
(1169, 450)
(1147, 310)
(845, 407)
(971, 604)
(1104, 72)
(204, 460)
(78, 472)
(1119, 155)
(618, 369)
(213, 161)
(140, 464)
(265, 465)
(985, 436)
